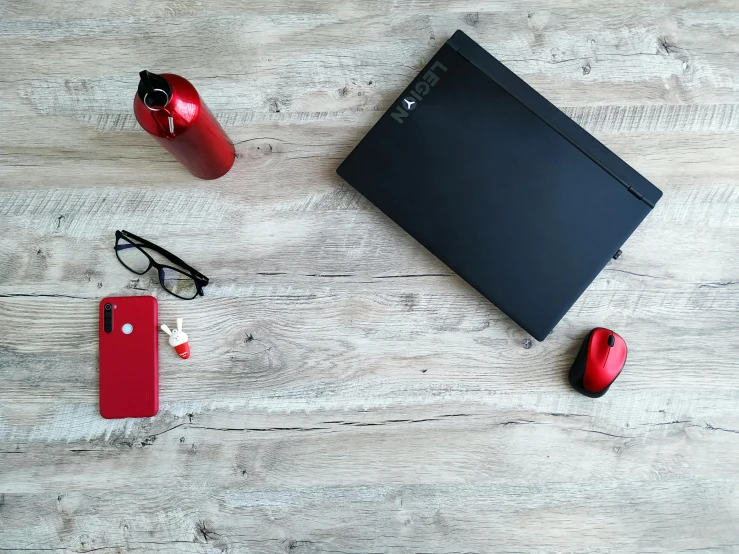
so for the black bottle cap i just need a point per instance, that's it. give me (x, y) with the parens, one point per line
(154, 90)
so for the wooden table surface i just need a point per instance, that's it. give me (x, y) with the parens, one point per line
(346, 392)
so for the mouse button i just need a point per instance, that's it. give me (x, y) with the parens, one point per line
(618, 355)
(598, 349)
(611, 340)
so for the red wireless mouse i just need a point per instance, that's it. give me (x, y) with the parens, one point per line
(601, 358)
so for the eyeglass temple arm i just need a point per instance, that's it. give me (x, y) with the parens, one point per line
(169, 255)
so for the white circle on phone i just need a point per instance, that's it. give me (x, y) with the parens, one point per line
(127, 329)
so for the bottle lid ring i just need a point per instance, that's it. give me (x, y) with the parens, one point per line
(157, 109)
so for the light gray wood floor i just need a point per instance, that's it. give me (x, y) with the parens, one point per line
(346, 392)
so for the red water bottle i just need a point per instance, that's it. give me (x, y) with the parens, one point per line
(169, 108)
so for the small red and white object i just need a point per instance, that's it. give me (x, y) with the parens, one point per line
(178, 340)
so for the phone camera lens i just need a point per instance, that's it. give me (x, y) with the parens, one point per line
(108, 307)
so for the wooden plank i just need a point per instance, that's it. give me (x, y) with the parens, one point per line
(326, 448)
(307, 65)
(307, 158)
(74, 9)
(398, 518)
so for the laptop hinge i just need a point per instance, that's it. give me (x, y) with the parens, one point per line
(640, 196)
(458, 51)
(465, 57)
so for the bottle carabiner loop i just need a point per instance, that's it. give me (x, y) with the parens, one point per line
(169, 133)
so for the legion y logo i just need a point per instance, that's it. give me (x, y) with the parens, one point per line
(418, 90)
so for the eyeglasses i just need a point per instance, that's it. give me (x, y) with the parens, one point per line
(185, 283)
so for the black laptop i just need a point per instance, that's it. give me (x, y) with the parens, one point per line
(499, 184)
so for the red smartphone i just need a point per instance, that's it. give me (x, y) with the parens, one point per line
(129, 356)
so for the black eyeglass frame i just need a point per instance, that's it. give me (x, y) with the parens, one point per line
(198, 278)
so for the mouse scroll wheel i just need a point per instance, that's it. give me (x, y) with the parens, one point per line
(611, 340)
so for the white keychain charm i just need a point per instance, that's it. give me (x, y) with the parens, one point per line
(178, 340)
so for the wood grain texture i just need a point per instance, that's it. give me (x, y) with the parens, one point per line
(347, 392)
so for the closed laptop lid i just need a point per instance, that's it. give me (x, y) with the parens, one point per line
(507, 199)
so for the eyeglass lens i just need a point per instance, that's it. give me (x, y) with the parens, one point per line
(178, 283)
(130, 256)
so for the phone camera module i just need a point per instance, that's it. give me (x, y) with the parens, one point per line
(108, 318)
